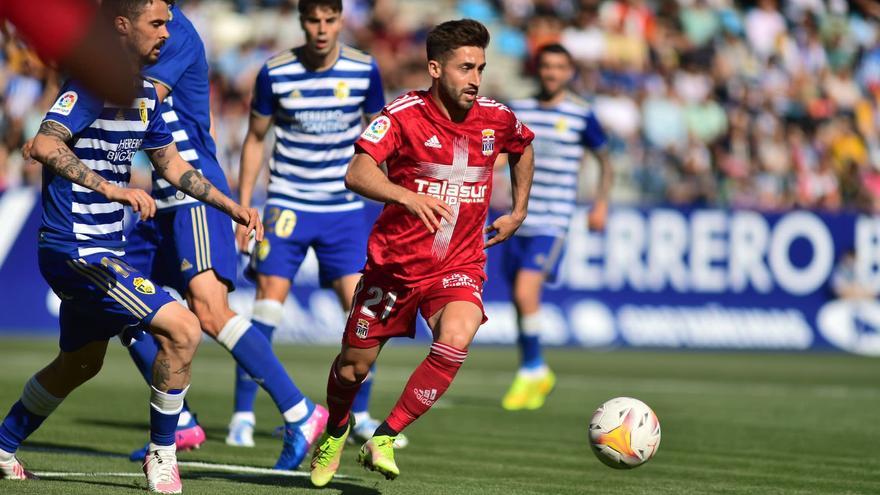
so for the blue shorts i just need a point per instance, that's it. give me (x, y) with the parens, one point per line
(101, 294)
(177, 245)
(540, 253)
(339, 240)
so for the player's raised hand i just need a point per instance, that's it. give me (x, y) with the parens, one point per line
(138, 199)
(503, 227)
(249, 219)
(598, 216)
(430, 210)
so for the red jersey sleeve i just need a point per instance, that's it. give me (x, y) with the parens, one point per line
(381, 138)
(520, 135)
(53, 35)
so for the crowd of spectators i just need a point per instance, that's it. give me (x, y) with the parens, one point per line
(766, 105)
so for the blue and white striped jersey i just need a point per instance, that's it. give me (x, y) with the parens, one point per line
(183, 68)
(317, 118)
(78, 221)
(562, 135)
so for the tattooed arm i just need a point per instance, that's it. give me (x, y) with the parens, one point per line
(50, 148)
(183, 176)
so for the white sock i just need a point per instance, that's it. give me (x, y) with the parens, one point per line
(268, 312)
(166, 403)
(297, 413)
(244, 416)
(6, 456)
(361, 417)
(184, 419)
(153, 446)
(533, 373)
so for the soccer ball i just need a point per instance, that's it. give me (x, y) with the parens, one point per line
(624, 433)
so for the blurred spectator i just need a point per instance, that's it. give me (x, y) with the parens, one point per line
(758, 104)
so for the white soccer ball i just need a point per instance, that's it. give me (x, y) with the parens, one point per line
(624, 433)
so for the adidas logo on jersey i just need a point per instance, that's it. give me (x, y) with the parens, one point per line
(185, 265)
(426, 396)
(433, 142)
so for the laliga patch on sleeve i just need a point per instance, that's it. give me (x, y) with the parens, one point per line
(377, 129)
(64, 104)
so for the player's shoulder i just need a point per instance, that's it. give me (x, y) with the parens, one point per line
(179, 24)
(287, 57)
(353, 54)
(519, 104)
(493, 110)
(406, 104)
(576, 105)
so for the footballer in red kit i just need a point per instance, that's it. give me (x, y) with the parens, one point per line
(426, 252)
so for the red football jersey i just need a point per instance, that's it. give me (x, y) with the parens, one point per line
(428, 153)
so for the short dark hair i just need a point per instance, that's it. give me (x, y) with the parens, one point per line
(131, 9)
(553, 48)
(305, 7)
(450, 35)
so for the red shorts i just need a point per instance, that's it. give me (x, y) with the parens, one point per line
(379, 313)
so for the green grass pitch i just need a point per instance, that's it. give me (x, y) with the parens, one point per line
(747, 423)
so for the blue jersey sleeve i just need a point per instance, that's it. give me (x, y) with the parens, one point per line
(593, 135)
(375, 98)
(158, 135)
(263, 101)
(75, 108)
(175, 57)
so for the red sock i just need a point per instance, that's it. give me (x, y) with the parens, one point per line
(340, 397)
(426, 385)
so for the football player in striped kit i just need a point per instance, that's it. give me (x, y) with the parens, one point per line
(191, 248)
(565, 128)
(316, 98)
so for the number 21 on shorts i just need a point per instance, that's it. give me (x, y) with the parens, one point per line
(376, 297)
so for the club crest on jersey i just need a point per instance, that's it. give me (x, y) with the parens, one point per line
(377, 129)
(65, 103)
(488, 142)
(561, 125)
(363, 328)
(342, 91)
(144, 286)
(142, 110)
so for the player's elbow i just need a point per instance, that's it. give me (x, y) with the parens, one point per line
(42, 146)
(351, 178)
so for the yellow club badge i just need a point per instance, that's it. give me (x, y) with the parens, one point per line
(561, 125)
(142, 108)
(342, 90)
(144, 286)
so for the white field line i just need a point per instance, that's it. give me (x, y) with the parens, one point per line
(196, 465)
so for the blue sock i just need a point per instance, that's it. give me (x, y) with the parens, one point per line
(253, 352)
(17, 426)
(26, 415)
(143, 353)
(245, 386)
(165, 408)
(361, 402)
(529, 341)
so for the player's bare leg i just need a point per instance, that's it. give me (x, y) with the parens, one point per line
(178, 334)
(350, 368)
(534, 380)
(42, 394)
(304, 421)
(271, 292)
